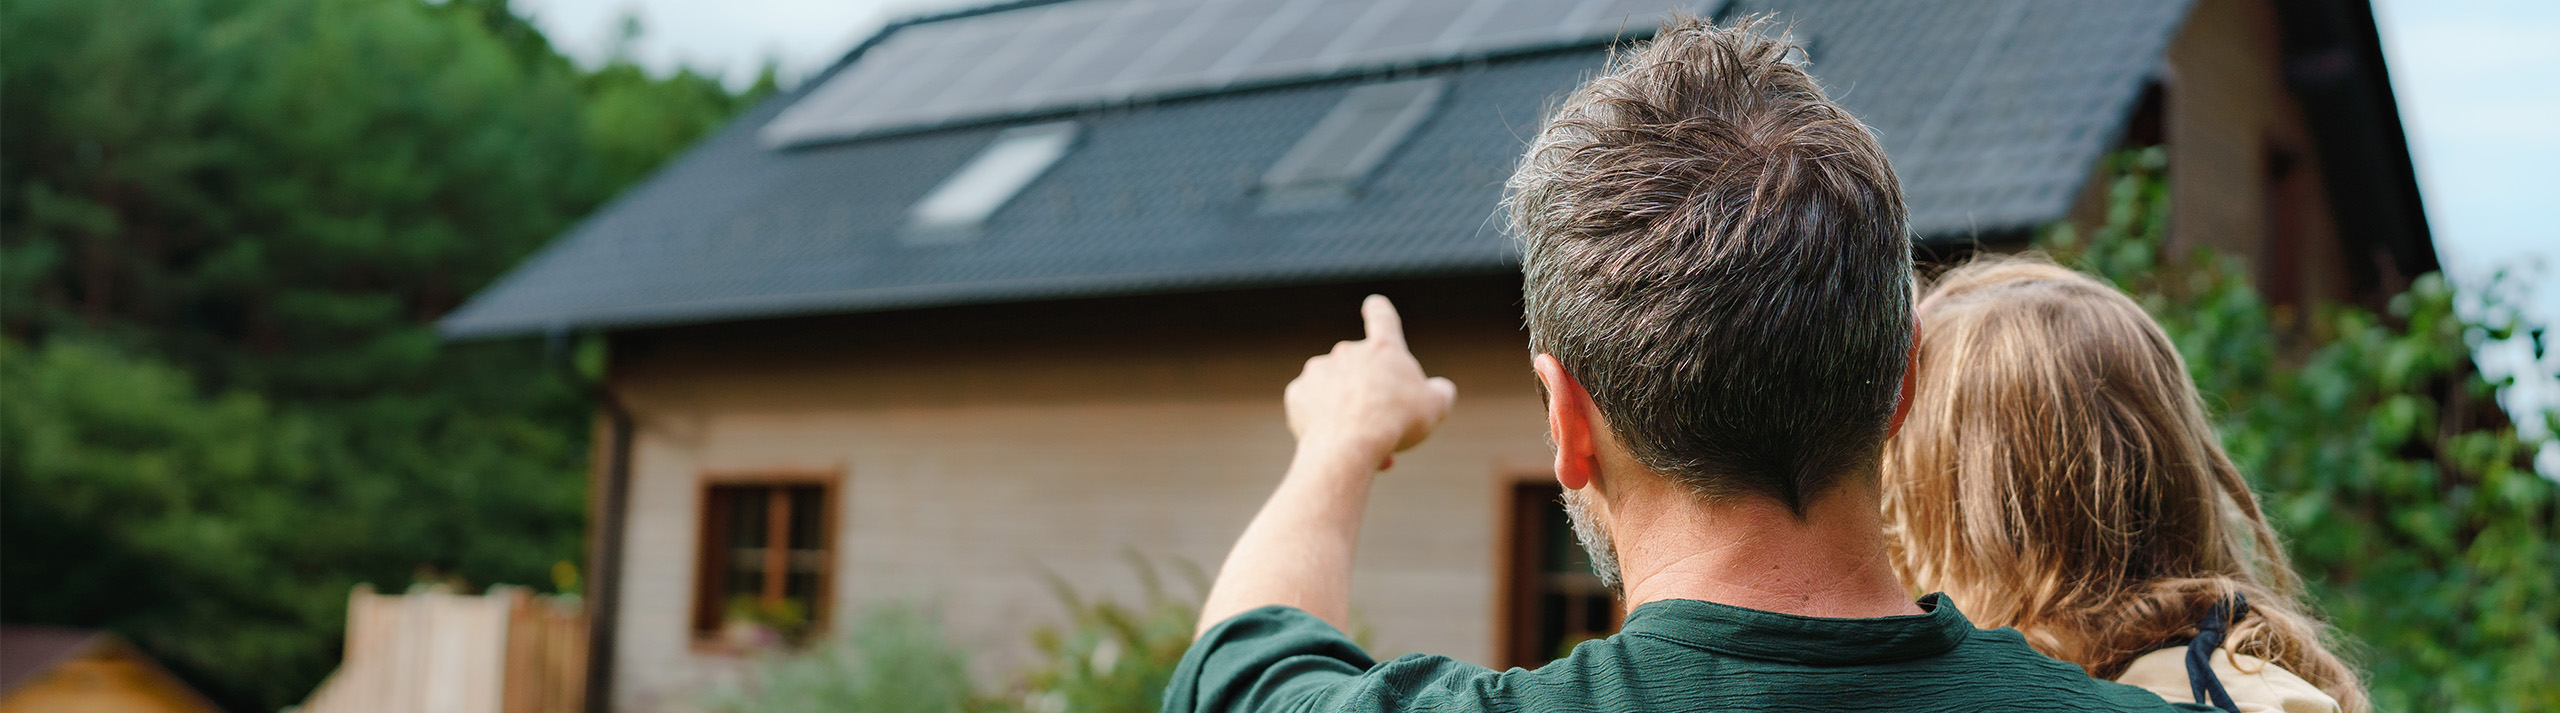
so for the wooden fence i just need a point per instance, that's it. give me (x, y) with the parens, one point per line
(507, 651)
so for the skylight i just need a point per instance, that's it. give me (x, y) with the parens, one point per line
(1349, 142)
(1009, 164)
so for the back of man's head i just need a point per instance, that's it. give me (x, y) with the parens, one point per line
(1719, 255)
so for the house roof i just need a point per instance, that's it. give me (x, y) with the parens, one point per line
(1994, 112)
(29, 654)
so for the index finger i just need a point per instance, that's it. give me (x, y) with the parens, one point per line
(1383, 324)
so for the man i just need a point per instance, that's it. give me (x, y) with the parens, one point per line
(1717, 278)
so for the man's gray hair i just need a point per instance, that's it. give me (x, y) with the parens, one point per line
(1720, 255)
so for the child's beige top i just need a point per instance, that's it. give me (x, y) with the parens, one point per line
(2253, 683)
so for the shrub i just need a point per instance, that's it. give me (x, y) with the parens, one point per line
(892, 659)
(2410, 505)
(1110, 657)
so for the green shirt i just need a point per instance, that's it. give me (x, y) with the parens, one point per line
(1677, 655)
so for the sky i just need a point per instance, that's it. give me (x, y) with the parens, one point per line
(2478, 84)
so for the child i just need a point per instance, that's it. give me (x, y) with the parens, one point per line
(2056, 474)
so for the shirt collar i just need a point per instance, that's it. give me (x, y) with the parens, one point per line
(1819, 641)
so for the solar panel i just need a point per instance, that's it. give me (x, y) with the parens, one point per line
(1025, 59)
(1084, 53)
(1525, 20)
(1206, 43)
(1106, 54)
(1309, 38)
(1418, 25)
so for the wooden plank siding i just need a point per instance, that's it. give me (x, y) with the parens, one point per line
(1001, 446)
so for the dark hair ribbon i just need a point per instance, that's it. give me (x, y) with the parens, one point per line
(2209, 635)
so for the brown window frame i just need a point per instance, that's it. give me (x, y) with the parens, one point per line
(1529, 508)
(711, 557)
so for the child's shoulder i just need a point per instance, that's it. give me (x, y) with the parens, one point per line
(2253, 683)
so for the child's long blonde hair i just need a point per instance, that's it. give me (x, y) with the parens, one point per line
(2057, 474)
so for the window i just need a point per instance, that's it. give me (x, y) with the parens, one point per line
(1553, 601)
(1349, 142)
(766, 562)
(971, 195)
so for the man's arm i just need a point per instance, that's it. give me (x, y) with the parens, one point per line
(1351, 410)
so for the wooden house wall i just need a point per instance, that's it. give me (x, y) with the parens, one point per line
(981, 450)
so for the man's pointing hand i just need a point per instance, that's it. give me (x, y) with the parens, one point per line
(1369, 395)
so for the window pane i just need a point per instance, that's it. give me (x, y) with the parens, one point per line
(744, 584)
(808, 517)
(1017, 157)
(1558, 601)
(765, 564)
(750, 520)
(1341, 149)
(1551, 611)
(801, 589)
(747, 516)
(1597, 614)
(1564, 553)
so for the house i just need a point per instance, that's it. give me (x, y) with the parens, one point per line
(53, 670)
(1012, 293)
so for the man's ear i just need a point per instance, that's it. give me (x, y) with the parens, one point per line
(1910, 382)
(1569, 423)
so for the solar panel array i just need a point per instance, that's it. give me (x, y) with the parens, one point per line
(1098, 52)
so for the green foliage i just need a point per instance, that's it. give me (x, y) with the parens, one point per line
(1106, 657)
(787, 619)
(180, 509)
(1111, 657)
(226, 228)
(2409, 502)
(283, 193)
(892, 658)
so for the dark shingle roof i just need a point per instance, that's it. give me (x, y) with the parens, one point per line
(1994, 111)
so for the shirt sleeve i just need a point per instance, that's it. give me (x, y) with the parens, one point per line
(1282, 660)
